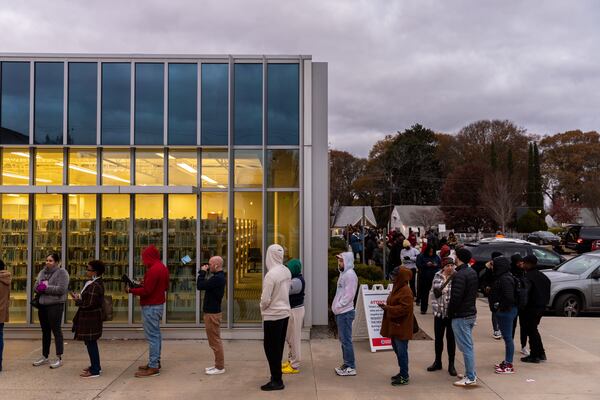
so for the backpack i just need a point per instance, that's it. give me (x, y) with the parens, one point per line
(522, 286)
(107, 308)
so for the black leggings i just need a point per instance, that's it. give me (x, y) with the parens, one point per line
(274, 343)
(439, 326)
(51, 322)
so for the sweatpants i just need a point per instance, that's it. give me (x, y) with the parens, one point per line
(51, 323)
(293, 336)
(273, 343)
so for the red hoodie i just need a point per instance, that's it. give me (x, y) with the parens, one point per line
(156, 279)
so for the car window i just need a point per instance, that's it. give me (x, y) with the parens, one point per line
(579, 265)
(590, 231)
(514, 250)
(546, 257)
(546, 234)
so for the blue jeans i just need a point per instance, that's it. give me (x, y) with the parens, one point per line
(401, 349)
(344, 324)
(152, 316)
(94, 353)
(505, 323)
(463, 333)
(1, 343)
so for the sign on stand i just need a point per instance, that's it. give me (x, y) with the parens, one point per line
(369, 315)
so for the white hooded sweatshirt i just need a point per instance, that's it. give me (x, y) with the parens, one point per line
(275, 298)
(346, 287)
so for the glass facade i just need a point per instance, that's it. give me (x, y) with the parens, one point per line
(116, 167)
(183, 106)
(14, 103)
(283, 221)
(248, 171)
(215, 169)
(283, 104)
(283, 168)
(82, 166)
(149, 103)
(183, 168)
(15, 166)
(83, 88)
(48, 105)
(149, 167)
(215, 97)
(116, 103)
(248, 104)
(49, 166)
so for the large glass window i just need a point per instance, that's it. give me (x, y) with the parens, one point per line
(215, 95)
(82, 167)
(14, 252)
(149, 167)
(14, 103)
(15, 166)
(149, 214)
(49, 93)
(248, 168)
(283, 168)
(83, 90)
(116, 167)
(248, 256)
(183, 103)
(114, 251)
(248, 99)
(81, 242)
(183, 168)
(283, 221)
(215, 169)
(149, 103)
(116, 103)
(181, 300)
(49, 165)
(283, 101)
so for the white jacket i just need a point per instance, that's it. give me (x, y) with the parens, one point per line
(346, 287)
(275, 298)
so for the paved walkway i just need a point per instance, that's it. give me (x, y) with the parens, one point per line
(572, 372)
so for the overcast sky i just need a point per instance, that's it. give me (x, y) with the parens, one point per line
(440, 63)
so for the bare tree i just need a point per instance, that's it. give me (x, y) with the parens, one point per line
(429, 218)
(501, 197)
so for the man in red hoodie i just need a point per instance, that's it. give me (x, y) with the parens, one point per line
(152, 299)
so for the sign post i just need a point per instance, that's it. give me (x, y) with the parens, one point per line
(369, 316)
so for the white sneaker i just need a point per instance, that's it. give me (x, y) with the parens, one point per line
(466, 382)
(56, 363)
(214, 371)
(40, 361)
(347, 371)
(524, 351)
(497, 335)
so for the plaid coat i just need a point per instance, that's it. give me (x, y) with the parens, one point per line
(87, 323)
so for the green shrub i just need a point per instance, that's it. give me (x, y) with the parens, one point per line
(556, 230)
(531, 222)
(337, 243)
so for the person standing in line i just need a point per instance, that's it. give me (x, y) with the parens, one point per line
(211, 310)
(503, 301)
(452, 241)
(517, 269)
(463, 312)
(87, 323)
(51, 286)
(153, 293)
(486, 280)
(537, 299)
(381, 252)
(356, 244)
(275, 310)
(408, 258)
(343, 309)
(5, 279)
(398, 319)
(428, 265)
(293, 336)
(440, 297)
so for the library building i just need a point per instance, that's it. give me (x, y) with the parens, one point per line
(198, 155)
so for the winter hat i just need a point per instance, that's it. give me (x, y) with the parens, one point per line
(496, 254)
(463, 255)
(294, 266)
(406, 243)
(447, 260)
(515, 258)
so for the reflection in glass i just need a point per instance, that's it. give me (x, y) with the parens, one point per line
(248, 99)
(149, 215)
(215, 89)
(183, 168)
(283, 102)
(49, 92)
(215, 169)
(149, 103)
(183, 90)
(248, 256)
(116, 103)
(283, 221)
(248, 168)
(14, 103)
(114, 251)
(283, 168)
(149, 167)
(82, 98)
(13, 251)
(116, 167)
(82, 166)
(81, 243)
(15, 166)
(181, 300)
(49, 166)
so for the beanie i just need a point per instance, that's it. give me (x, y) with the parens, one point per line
(406, 243)
(463, 255)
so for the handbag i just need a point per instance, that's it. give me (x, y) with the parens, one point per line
(35, 300)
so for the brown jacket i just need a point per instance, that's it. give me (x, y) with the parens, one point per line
(87, 323)
(5, 278)
(398, 313)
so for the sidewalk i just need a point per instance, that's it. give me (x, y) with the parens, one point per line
(572, 345)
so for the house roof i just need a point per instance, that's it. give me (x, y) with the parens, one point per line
(408, 214)
(352, 215)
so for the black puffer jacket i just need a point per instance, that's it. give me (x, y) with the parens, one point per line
(502, 296)
(464, 293)
(539, 294)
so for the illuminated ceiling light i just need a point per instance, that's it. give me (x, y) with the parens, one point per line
(221, 186)
(116, 178)
(209, 180)
(163, 156)
(20, 154)
(72, 195)
(84, 170)
(12, 195)
(188, 168)
(23, 177)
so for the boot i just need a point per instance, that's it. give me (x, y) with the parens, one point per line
(451, 369)
(436, 366)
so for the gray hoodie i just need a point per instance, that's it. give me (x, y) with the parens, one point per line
(58, 286)
(275, 298)
(346, 287)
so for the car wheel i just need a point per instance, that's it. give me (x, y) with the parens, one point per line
(568, 305)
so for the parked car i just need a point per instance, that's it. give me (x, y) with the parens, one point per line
(544, 238)
(575, 285)
(482, 252)
(582, 238)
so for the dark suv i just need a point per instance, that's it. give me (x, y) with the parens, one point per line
(482, 252)
(582, 238)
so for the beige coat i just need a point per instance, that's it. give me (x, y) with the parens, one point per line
(5, 278)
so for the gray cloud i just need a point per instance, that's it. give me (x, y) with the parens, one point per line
(391, 63)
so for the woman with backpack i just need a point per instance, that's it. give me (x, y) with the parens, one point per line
(87, 323)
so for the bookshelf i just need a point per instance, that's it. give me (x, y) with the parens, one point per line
(13, 251)
(81, 248)
(181, 300)
(114, 252)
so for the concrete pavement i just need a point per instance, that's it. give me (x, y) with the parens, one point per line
(572, 345)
